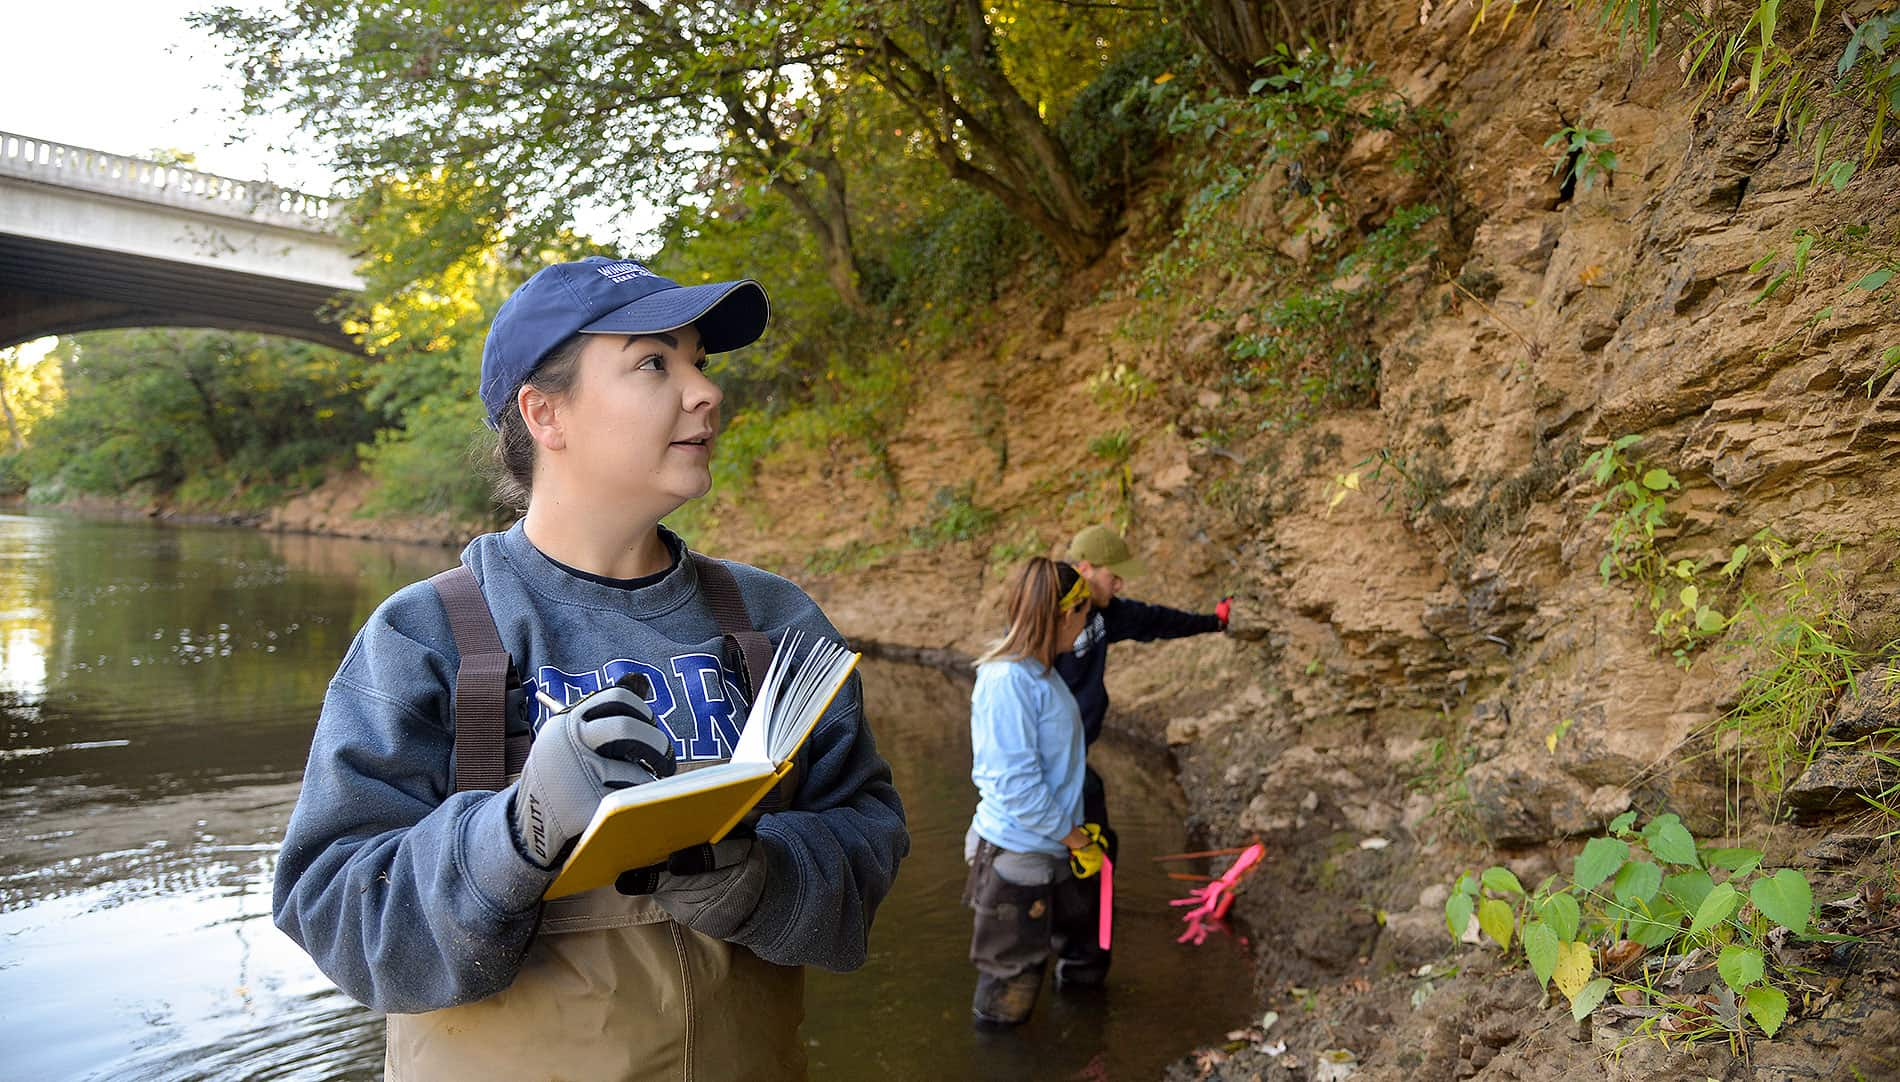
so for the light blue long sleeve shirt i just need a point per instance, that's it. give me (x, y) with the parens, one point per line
(1026, 757)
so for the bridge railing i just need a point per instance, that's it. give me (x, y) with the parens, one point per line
(119, 174)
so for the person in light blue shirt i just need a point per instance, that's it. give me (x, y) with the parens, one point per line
(1027, 762)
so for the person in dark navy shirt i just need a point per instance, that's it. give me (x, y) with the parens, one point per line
(1106, 562)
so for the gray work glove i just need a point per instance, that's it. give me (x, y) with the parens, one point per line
(604, 742)
(711, 889)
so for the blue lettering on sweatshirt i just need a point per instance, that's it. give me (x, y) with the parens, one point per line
(695, 708)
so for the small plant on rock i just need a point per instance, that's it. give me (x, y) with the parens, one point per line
(1586, 155)
(1677, 592)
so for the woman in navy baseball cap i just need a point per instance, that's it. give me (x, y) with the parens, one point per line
(542, 339)
(414, 865)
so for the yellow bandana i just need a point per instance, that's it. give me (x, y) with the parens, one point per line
(1077, 594)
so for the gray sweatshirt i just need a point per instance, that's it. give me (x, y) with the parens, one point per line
(413, 897)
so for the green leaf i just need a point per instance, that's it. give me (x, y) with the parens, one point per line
(1784, 898)
(1670, 841)
(1637, 880)
(1561, 913)
(1875, 279)
(1689, 888)
(1741, 861)
(1621, 824)
(1458, 915)
(1767, 1006)
(1658, 479)
(1540, 948)
(1600, 858)
(1719, 906)
(1688, 597)
(1592, 994)
(1739, 967)
(1497, 920)
(1652, 923)
(1501, 880)
(1736, 560)
(1837, 174)
(1709, 619)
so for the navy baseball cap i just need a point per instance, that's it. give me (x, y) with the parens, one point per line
(608, 296)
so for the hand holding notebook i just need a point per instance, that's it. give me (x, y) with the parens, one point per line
(643, 824)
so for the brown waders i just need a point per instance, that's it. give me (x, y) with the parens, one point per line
(1016, 900)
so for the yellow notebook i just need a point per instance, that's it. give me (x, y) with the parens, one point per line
(641, 825)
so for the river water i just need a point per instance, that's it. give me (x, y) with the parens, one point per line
(158, 686)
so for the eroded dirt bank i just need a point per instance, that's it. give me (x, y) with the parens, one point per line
(1448, 674)
(1448, 671)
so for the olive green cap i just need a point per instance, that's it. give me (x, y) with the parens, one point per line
(1103, 547)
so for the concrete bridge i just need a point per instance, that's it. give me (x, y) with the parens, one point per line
(90, 240)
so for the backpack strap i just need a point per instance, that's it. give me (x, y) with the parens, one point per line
(484, 753)
(721, 592)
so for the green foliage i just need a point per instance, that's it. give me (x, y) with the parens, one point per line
(14, 478)
(1867, 263)
(1637, 904)
(1869, 71)
(1113, 447)
(1300, 118)
(1311, 347)
(1685, 600)
(1313, 350)
(1116, 123)
(1119, 386)
(213, 420)
(851, 556)
(1584, 153)
(1439, 772)
(1889, 364)
(955, 516)
(436, 464)
(954, 261)
(1004, 556)
(1799, 662)
(1752, 47)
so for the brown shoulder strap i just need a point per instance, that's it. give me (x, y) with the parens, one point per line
(735, 623)
(481, 683)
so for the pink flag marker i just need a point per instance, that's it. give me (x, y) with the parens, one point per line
(1211, 900)
(1108, 899)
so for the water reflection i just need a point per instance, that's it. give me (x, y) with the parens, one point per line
(158, 692)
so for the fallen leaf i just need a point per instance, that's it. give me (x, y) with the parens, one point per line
(1619, 958)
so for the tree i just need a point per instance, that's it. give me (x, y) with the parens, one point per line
(540, 109)
(942, 60)
(1234, 36)
(223, 412)
(29, 389)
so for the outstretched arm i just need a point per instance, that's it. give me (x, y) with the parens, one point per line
(1123, 619)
